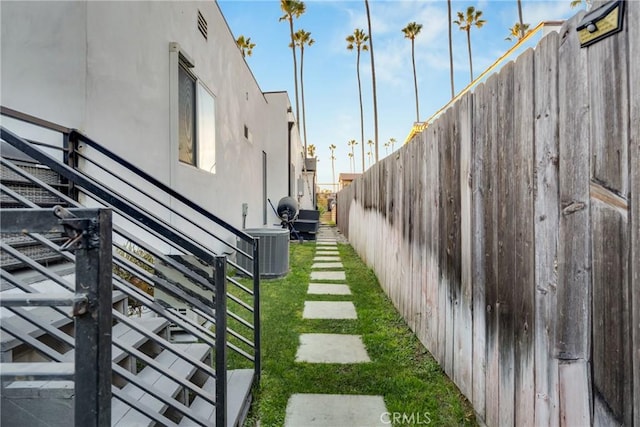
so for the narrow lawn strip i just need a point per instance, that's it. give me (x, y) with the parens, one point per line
(401, 369)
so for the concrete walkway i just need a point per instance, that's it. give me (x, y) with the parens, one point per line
(332, 410)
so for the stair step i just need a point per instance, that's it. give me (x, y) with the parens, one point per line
(37, 370)
(239, 382)
(124, 415)
(130, 337)
(43, 315)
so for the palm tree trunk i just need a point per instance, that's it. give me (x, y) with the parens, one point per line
(470, 61)
(295, 76)
(520, 18)
(373, 80)
(453, 93)
(304, 117)
(415, 77)
(361, 111)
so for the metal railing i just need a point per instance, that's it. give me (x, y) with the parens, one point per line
(144, 233)
(89, 237)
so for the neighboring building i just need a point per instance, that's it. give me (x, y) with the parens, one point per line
(164, 85)
(345, 179)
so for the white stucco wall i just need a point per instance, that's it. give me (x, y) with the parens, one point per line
(105, 68)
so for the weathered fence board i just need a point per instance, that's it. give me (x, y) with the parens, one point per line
(491, 225)
(574, 168)
(508, 234)
(633, 15)
(506, 243)
(478, 195)
(522, 200)
(463, 314)
(546, 207)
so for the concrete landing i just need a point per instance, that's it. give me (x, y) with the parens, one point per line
(327, 289)
(329, 310)
(335, 410)
(332, 348)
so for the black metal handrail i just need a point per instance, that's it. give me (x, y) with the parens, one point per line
(71, 140)
(90, 301)
(163, 232)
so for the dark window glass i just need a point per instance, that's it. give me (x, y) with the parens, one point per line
(186, 117)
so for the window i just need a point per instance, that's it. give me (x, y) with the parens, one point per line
(196, 122)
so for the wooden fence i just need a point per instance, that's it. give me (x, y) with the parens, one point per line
(508, 234)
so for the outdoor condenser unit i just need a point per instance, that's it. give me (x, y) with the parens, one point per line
(274, 251)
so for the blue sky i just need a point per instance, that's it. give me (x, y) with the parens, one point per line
(331, 91)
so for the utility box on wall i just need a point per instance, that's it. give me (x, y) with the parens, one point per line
(274, 251)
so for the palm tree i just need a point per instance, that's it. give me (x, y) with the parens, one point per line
(386, 146)
(410, 32)
(518, 33)
(373, 79)
(358, 40)
(351, 161)
(576, 3)
(465, 22)
(392, 141)
(293, 9)
(332, 147)
(352, 155)
(302, 38)
(369, 153)
(450, 51)
(245, 45)
(311, 150)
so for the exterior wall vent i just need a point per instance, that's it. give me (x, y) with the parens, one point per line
(202, 25)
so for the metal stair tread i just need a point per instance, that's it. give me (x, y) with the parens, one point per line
(129, 337)
(124, 415)
(44, 315)
(239, 383)
(34, 369)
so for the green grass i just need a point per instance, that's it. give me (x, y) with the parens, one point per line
(401, 369)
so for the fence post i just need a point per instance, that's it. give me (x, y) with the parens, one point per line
(220, 275)
(93, 326)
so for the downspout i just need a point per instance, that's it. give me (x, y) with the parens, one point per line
(289, 157)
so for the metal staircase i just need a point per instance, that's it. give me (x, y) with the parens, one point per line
(160, 281)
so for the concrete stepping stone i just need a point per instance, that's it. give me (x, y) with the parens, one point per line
(336, 410)
(328, 275)
(327, 289)
(332, 348)
(327, 265)
(326, 243)
(329, 310)
(327, 253)
(323, 258)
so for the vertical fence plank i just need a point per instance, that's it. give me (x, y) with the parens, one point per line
(574, 277)
(491, 226)
(433, 296)
(546, 205)
(633, 15)
(479, 194)
(524, 279)
(463, 316)
(446, 145)
(506, 230)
